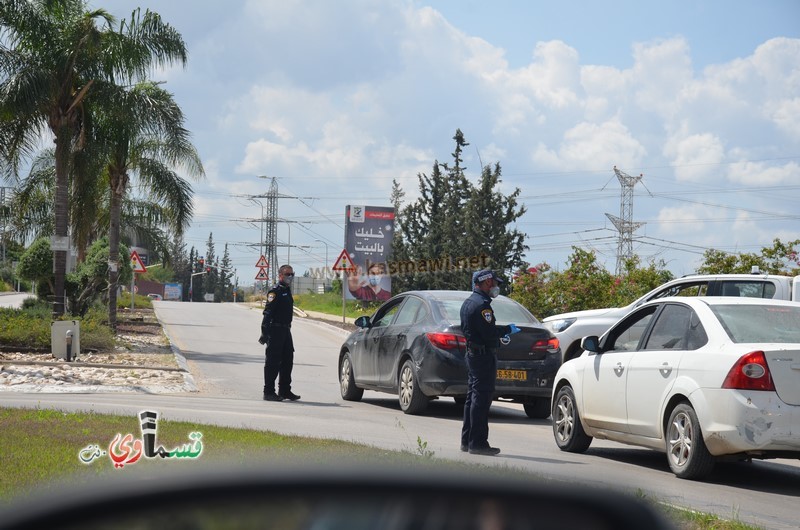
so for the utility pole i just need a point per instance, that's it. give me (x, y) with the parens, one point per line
(270, 220)
(271, 232)
(624, 223)
(4, 214)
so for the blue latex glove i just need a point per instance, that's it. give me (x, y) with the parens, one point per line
(514, 329)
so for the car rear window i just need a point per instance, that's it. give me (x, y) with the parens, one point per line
(505, 311)
(759, 323)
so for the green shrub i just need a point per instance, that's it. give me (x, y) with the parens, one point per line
(140, 301)
(31, 328)
(22, 329)
(37, 307)
(95, 333)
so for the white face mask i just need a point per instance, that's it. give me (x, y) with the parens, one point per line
(494, 292)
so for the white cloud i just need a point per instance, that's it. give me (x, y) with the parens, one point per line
(786, 115)
(696, 157)
(760, 174)
(661, 70)
(677, 222)
(591, 145)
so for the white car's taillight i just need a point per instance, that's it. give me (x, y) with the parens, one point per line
(750, 372)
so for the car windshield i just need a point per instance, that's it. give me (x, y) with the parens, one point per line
(505, 311)
(760, 323)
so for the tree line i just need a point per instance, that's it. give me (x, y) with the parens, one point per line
(452, 217)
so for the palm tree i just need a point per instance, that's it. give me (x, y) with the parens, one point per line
(32, 203)
(142, 135)
(53, 54)
(31, 208)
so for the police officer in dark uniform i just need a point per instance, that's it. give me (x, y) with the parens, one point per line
(276, 333)
(483, 340)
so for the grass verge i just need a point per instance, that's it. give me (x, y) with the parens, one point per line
(42, 447)
(331, 303)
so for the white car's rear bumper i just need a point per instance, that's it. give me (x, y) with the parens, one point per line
(755, 422)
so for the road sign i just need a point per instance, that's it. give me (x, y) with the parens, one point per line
(262, 274)
(262, 263)
(344, 262)
(137, 263)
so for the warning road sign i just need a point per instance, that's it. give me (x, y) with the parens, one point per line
(344, 262)
(137, 263)
(262, 262)
(262, 274)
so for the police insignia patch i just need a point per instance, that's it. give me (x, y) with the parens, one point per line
(487, 315)
(270, 297)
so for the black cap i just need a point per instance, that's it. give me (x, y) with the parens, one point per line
(485, 274)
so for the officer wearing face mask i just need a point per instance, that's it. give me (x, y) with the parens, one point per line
(483, 341)
(276, 333)
(371, 289)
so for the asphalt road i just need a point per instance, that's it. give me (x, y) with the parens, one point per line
(220, 344)
(13, 299)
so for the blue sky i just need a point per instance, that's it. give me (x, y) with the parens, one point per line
(336, 99)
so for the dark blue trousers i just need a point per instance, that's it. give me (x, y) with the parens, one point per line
(480, 383)
(279, 360)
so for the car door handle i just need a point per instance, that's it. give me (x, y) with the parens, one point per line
(618, 369)
(665, 369)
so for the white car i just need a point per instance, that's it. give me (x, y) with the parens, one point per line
(700, 378)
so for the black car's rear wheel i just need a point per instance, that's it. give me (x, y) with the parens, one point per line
(412, 400)
(537, 408)
(567, 428)
(347, 381)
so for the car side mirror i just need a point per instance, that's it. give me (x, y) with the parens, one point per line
(363, 322)
(591, 343)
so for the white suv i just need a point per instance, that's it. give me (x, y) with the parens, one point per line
(570, 328)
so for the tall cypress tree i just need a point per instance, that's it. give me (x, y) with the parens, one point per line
(453, 219)
(211, 278)
(224, 292)
(488, 217)
(180, 261)
(454, 224)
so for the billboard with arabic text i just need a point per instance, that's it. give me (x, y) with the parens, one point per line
(368, 240)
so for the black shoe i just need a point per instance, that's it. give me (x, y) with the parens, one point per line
(464, 448)
(289, 395)
(488, 451)
(272, 396)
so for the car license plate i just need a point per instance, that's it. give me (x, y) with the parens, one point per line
(512, 375)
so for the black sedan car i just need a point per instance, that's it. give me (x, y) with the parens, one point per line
(413, 346)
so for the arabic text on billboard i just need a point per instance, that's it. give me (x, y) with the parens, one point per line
(368, 240)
